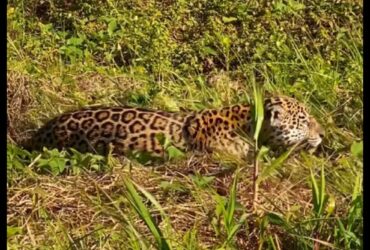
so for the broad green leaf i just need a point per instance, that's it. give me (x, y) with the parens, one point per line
(174, 153)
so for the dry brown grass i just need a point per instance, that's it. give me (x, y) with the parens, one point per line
(19, 99)
(81, 202)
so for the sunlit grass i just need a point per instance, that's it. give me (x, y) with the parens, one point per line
(185, 55)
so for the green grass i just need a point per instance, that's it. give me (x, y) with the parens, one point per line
(176, 55)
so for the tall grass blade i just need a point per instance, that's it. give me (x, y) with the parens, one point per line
(231, 204)
(258, 117)
(258, 111)
(235, 229)
(318, 193)
(136, 202)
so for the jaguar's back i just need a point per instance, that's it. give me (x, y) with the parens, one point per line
(123, 128)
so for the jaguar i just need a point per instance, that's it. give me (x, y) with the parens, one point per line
(121, 130)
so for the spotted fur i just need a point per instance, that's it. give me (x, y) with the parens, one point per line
(287, 122)
(127, 129)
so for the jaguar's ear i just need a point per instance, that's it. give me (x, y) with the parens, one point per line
(275, 115)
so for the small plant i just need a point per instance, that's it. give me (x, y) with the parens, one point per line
(140, 208)
(202, 181)
(225, 213)
(319, 197)
(258, 119)
(54, 162)
(172, 152)
(17, 161)
(11, 231)
(61, 162)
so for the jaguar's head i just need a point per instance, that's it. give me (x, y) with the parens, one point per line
(287, 122)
